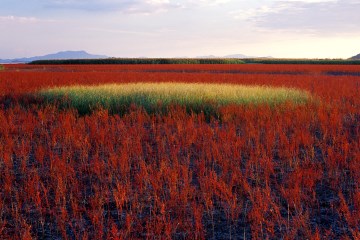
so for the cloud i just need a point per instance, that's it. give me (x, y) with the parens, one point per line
(22, 20)
(128, 6)
(252, 13)
(125, 6)
(314, 16)
(119, 31)
(207, 2)
(308, 1)
(150, 6)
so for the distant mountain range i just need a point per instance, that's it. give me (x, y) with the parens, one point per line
(59, 55)
(85, 55)
(357, 57)
(231, 56)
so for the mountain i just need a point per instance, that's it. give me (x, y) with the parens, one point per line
(357, 57)
(238, 56)
(59, 55)
(208, 56)
(230, 56)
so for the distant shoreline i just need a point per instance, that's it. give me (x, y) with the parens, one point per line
(197, 61)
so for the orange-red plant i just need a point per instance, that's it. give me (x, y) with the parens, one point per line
(290, 172)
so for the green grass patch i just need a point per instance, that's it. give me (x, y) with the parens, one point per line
(2, 67)
(155, 97)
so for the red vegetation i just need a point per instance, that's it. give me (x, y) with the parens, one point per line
(292, 172)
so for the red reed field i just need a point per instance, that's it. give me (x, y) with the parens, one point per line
(252, 172)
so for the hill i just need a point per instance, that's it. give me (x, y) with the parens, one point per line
(56, 56)
(230, 56)
(357, 57)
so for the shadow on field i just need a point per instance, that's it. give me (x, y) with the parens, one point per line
(29, 102)
(209, 111)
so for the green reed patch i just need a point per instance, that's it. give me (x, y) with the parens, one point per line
(154, 97)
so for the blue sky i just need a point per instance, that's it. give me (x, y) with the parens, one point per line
(179, 28)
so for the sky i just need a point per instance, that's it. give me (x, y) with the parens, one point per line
(181, 28)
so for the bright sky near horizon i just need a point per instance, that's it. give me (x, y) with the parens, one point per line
(181, 28)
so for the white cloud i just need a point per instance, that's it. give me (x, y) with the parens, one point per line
(249, 14)
(129, 6)
(312, 16)
(150, 6)
(119, 31)
(126, 6)
(308, 1)
(19, 19)
(209, 2)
